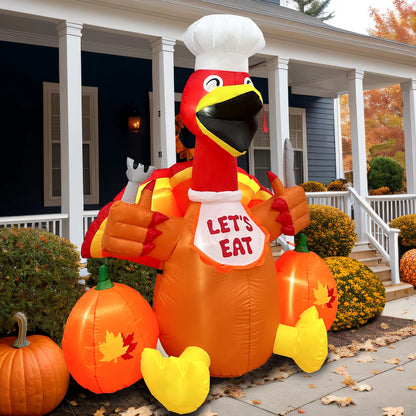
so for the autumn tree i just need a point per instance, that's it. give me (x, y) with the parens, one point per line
(314, 8)
(383, 107)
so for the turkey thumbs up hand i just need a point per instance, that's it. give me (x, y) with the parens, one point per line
(131, 228)
(291, 204)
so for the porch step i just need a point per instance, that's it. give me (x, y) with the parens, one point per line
(400, 290)
(383, 272)
(364, 251)
(366, 254)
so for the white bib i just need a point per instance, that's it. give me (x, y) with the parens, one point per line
(225, 232)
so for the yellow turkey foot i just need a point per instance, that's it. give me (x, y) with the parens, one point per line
(306, 343)
(181, 383)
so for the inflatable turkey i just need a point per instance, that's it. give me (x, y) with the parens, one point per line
(207, 226)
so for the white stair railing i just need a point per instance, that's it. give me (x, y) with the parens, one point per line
(384, 238)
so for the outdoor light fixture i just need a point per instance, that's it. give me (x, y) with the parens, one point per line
(135, 120)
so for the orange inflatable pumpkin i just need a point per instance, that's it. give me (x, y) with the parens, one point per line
(408, 267)
(27, 367)
(105, 334)
(305, 280)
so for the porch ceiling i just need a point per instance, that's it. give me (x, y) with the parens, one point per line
(304, 77)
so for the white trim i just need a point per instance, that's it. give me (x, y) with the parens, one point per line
(339, 165)
(93, 197)
(409, 122)
(301, 112)
(208, 196)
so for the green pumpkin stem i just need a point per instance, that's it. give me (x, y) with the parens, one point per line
(104, 281)
(302, 246)
(21, 341)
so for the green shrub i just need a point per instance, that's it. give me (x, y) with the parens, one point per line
(385, 171)
(312, 186)
(331, 232)
(337, 185)
(407, 226)
(39, 277)
(137, 276)
(361, 295)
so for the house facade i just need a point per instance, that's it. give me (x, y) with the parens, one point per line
(72, 72)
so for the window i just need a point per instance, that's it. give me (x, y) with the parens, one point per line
(52, 145)
(297, 134)
(259, 152)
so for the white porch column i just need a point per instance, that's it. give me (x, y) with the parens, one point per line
(359, 159)
(163, 131)
(338, 138)
(71, 130)
(409, 121)
(278, 111)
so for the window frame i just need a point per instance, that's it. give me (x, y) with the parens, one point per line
(49, 200)
(253, 147)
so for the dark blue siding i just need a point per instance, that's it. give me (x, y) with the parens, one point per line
(320, 136)
(121, 81)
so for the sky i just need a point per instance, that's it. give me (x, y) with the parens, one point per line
(354, 15)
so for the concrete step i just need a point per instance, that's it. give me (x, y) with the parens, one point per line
(400, 290)
(383, 272)
(372, 261)
(363, 250)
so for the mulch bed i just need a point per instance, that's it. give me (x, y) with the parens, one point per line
(81, 402)
(381, 326)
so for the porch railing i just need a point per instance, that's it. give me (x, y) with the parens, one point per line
(389, 207)
(48, 222)
(378, 211)
(88, 218)
(340, 200)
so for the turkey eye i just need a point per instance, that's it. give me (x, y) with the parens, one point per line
(211, 82)
(248, 81)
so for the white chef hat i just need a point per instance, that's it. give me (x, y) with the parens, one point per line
(223, 42)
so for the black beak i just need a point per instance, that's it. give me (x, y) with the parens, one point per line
(233, 121)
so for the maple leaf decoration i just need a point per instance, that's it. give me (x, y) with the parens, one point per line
(324, 295)
(321, 295)
(128, 342)
(331, 294)
(116, 346)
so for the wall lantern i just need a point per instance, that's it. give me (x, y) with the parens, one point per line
(135, 120)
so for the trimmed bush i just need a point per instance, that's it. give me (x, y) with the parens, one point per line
(407, 226)
(331, 232)
(385, 171)
(384, 190)
(39, 277)
(361, 295)
(137, 276)
(312, 186)
(336, 186)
